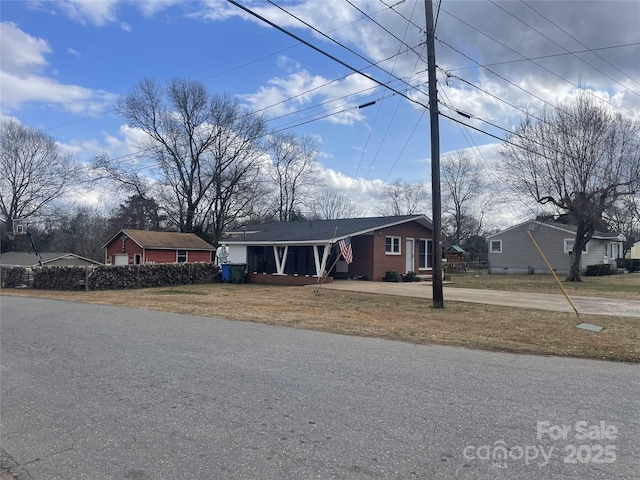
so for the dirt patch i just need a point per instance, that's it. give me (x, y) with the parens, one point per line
(374, 315)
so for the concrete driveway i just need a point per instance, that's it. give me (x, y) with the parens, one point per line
(537, 301)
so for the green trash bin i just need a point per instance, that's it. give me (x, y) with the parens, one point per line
(238, 272)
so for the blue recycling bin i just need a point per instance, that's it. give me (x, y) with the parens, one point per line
(226, 272)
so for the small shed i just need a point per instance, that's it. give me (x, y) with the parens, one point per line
(456, 259)
(135, 247)
(455, 254)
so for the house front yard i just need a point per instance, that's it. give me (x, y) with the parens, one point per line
(612, 286)
(404, 318)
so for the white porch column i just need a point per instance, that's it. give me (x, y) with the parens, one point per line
(280, 262)
(321, 264)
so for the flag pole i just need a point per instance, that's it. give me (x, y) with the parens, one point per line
(318, 283)
(324, 277)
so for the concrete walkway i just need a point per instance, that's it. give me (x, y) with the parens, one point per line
(537, 301)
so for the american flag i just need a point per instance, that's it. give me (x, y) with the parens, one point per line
(345, 249)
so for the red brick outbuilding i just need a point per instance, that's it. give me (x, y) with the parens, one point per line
(134, 247)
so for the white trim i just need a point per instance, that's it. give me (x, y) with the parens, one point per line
(280, 262)
(321, 265)
(410, 258)
(568, 250)
(427, 257)
(392, 252)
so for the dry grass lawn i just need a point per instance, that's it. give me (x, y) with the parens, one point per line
(398, 318)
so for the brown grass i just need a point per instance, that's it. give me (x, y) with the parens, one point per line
(373, 315)
(625, 286)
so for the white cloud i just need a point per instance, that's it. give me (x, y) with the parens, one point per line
(21, 81)
(19, 51)
(73, 52)
(284, 95)
(98, 13)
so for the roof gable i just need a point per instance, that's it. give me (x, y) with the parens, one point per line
(563, 227)
(320, 231)
(31, 259)
(163, 240)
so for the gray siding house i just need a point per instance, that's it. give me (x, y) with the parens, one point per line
(512, 251)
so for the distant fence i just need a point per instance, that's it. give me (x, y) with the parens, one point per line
(111, 277)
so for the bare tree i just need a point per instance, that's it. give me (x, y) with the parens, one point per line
(34, 171)
(404, 198)
(124, 172)
(295, 172)
(206, 148)
(82, 230)
(461, 187)
(579, 158)
(330, 204)
(624, 216)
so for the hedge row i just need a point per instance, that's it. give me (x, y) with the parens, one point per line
(110, 277)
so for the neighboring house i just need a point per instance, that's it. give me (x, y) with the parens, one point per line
(49, 259)
(307, 249)
(512, 251)
(134, 247)
(635, 251)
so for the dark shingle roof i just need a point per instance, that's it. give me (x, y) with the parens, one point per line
(599, 235)
(317, 231)
(164, 240)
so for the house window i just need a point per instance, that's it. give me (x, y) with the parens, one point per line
(181, 256)
(425, 254)
(569, 243)
(392, 246)
(496, 246)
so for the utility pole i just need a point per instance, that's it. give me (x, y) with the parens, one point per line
(438, 300)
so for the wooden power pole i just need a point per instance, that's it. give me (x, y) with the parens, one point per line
(438, 300)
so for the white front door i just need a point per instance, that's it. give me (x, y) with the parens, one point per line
(411, 255)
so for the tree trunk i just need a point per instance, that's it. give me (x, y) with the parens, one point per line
(574, 269)
(583, 235)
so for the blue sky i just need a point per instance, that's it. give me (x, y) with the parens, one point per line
(65, 63)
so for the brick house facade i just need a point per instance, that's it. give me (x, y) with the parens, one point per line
(380, 244)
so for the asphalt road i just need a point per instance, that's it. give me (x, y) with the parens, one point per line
(100, 392)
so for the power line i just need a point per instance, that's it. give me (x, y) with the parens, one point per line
(535, 63)
(392, 8)
(592, 50)
(542, 57)
(564, 48)
(384, 28)
(327, 37)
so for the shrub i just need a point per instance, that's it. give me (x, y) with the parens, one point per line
(629, 264)
(598, 270)
(410, 277)
(392, 276)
